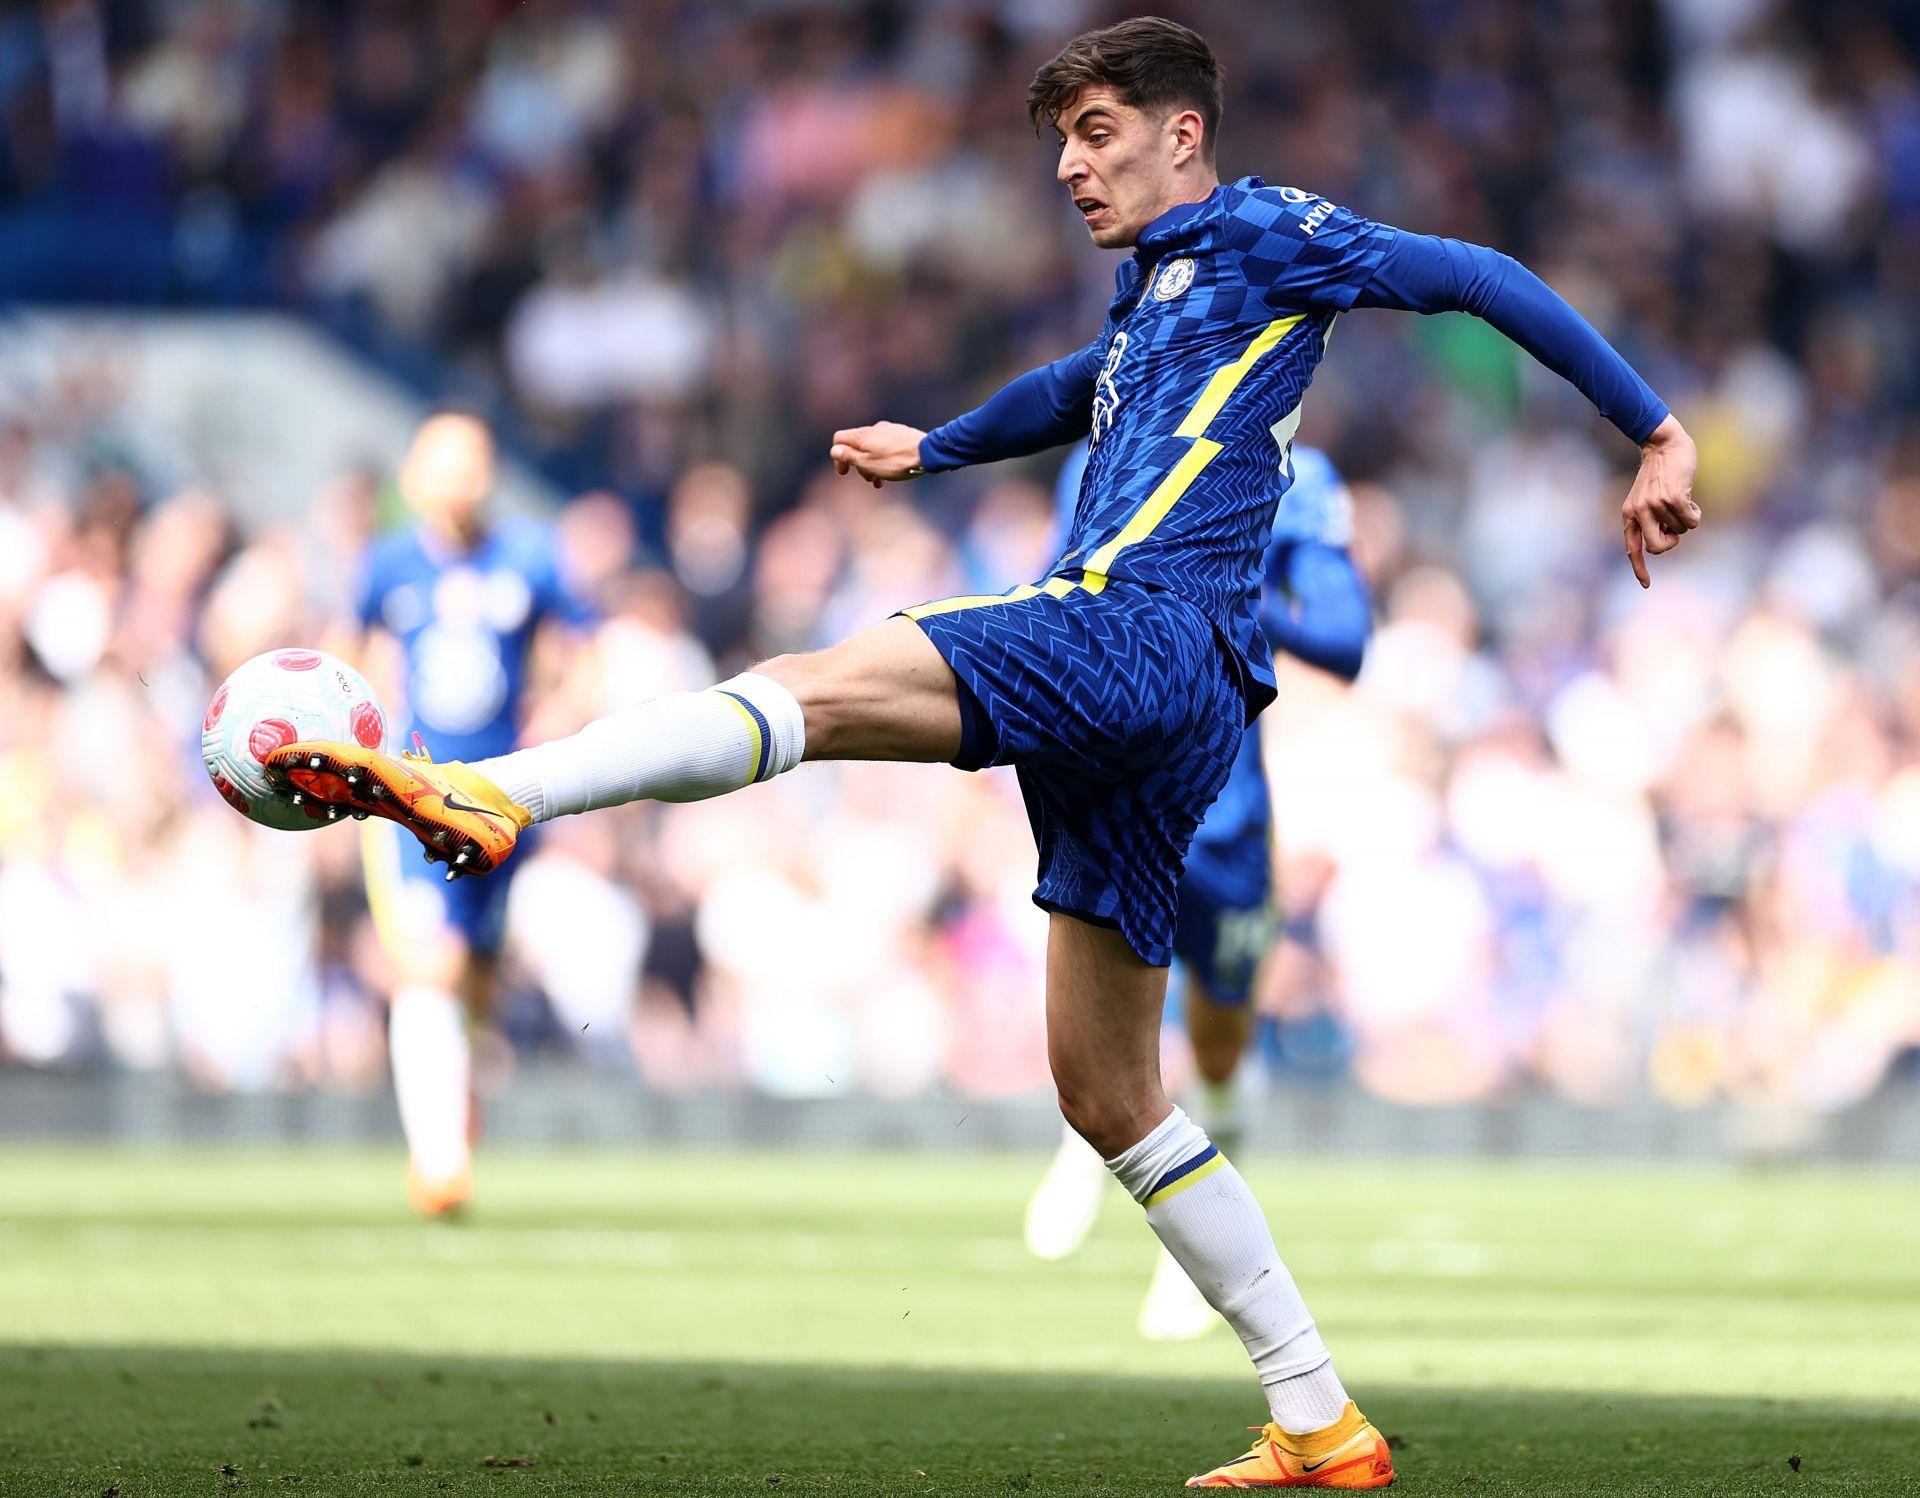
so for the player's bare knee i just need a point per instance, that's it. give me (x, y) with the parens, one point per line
(817, 686)
(1109, 1121)
(876, 695)
(434, 959)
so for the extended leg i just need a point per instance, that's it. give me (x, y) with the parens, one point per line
(885, 693)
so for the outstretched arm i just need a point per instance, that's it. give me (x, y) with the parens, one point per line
(1043, 408)
(1316, 607)
(1421, 273)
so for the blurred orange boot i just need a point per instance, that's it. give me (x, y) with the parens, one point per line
(438, 1198)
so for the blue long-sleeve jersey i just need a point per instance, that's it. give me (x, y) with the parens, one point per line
(466, 621)
(1314, 605)
(1191, 393)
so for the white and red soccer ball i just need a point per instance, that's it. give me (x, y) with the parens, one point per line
(280, 698)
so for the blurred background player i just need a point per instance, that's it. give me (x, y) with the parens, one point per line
(1316, 607)
(449, 610)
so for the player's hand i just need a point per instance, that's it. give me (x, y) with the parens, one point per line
(883, 452)
(1659, 508)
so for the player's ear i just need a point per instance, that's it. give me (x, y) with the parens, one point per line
(1186, 134)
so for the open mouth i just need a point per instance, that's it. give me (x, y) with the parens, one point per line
(1091, 209)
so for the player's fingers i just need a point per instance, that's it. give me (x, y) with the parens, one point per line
(1674, 512)
(1634, 554)
(849, 458)
(1656, 535)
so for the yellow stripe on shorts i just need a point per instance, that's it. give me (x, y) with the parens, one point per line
(1053, 587)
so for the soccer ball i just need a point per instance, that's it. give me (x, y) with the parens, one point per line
(276, 699)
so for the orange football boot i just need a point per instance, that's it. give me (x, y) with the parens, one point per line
(462, 818)
(1349, 1453)
(438, 1198)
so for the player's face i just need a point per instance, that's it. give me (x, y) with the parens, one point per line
(1120, 165)
(449, 473)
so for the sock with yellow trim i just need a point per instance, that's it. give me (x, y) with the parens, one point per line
(1202, 1210)
(686, 746)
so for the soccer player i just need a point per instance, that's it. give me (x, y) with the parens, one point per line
(1315, 606)
(1122, 682)
(461, 594)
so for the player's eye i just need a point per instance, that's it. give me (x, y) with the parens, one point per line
(1098, 138)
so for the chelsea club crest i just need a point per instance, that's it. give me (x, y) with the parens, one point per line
(1175, 277)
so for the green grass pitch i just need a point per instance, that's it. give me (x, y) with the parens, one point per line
(689, 1322)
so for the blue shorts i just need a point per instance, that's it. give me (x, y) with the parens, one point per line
(1227, 920)
(1123, 713)
(410, 898)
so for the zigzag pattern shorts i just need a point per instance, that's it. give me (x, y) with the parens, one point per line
(1122, 712)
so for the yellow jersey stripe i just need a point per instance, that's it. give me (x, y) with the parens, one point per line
(1192, 1178)
(1165, 495)
(1227, 378)
(759, 739)
(1179, 479)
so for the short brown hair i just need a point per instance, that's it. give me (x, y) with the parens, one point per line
(1149, 62)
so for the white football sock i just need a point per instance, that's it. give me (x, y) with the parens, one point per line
(686, 746)
(432, 1074)
(1209, 1221)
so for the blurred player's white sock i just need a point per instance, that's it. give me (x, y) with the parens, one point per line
(1067, 1201)
(686, 746)
(432, 1071)
(1224, 1109)
(1209, 1221)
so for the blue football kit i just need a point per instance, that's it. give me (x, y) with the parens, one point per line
(1119, 684)
(466, 623)
(1315, 605)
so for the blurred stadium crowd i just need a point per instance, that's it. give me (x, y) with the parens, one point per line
(1560, 835)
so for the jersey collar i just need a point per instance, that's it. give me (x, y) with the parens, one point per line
(1165, 233)
(1166, 230)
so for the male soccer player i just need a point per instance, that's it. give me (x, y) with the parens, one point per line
(1121, 683)
(1315, 606)
(462, 594)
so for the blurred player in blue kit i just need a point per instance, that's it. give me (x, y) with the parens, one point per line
(1121, 682)
(451, 606)
(1315, 606)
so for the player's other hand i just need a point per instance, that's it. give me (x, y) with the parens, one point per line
(885, 451)
(1659, 508)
